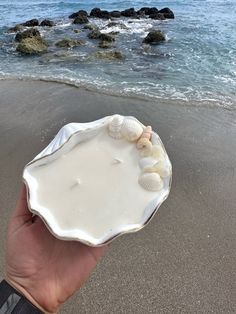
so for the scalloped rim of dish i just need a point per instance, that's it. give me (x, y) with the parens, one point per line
(131, 228)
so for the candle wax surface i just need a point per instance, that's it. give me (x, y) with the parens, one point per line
(93, 187)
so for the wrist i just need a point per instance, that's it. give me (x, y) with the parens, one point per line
(23, 292)
(13, 301)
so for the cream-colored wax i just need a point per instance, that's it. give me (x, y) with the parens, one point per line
(94, 187)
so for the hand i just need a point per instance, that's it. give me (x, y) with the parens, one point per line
(44, 269)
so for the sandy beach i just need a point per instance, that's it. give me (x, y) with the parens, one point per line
(184, 260)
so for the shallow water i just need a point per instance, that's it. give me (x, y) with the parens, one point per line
(197, 63)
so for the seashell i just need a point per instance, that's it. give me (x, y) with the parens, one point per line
(151, 181)
(115, 134)
(131, 129)
(161, 167)
(144, 143)
(114, 127)
(158, 152)
(147, 133)
(147, 162)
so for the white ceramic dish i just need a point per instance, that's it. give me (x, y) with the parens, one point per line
(106, 230)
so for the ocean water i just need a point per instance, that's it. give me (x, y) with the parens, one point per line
(197, 63)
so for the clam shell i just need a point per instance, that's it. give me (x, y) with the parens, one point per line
(163, 168)
(151, 181)
(158, 152)
(114, 127)
(147, 162)
(131, 130)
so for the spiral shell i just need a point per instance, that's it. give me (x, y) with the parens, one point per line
(147, 133)
(114, 127)
(151, 181)
(161, 167)
(131, 129)
(147, 162)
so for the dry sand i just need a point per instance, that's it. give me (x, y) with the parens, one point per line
(184, 261)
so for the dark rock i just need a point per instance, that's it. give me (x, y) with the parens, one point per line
(168, 14)
(106, 37)
(94, 34)
(91, 27)
(154, 37)
(77, 31)
(129, 13)
(32, 45)
(15, 29)
(29, 33)
(30, 23)
(113, 33)
(69, 43)
(48, 23)
(152, 11)
(81, 19)
(157, 16)
(95, 12)
(143, 11)
(103, 14)
(104, 44)
(113, 24)
(76, 14)
(109, 55)
(115, 14)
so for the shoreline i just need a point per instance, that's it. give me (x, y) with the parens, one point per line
(187, 251)
(214, 104)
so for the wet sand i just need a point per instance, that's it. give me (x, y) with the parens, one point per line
(184, 261)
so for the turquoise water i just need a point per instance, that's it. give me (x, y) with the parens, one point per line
(196, 64)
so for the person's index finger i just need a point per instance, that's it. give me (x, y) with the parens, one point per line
(22, 209)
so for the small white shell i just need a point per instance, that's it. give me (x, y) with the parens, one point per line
(162, 167)
(114, 127)
(151, 181)
(131, 129)
(147, 162)
(158, 152)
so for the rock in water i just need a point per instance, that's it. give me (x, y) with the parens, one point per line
(103, 14)
(48, 23)
(104, 44)
(29, 33)
(69, 43)
(154, 37)
(81, 19)
(129, 13)
(143, 11)
(32, 45)
(152, 11)
(115, 14)
(114, 24)
(91, 27)
(168, 14)
(157, 16)
(109, 55)
(94, 34)
(106, 37)
(76, 14)
(15, 29)
(30, 23)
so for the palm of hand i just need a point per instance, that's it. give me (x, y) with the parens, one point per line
(44, 268)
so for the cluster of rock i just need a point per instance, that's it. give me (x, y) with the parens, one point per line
(152, 13)
(31, 23)
(30, 40)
